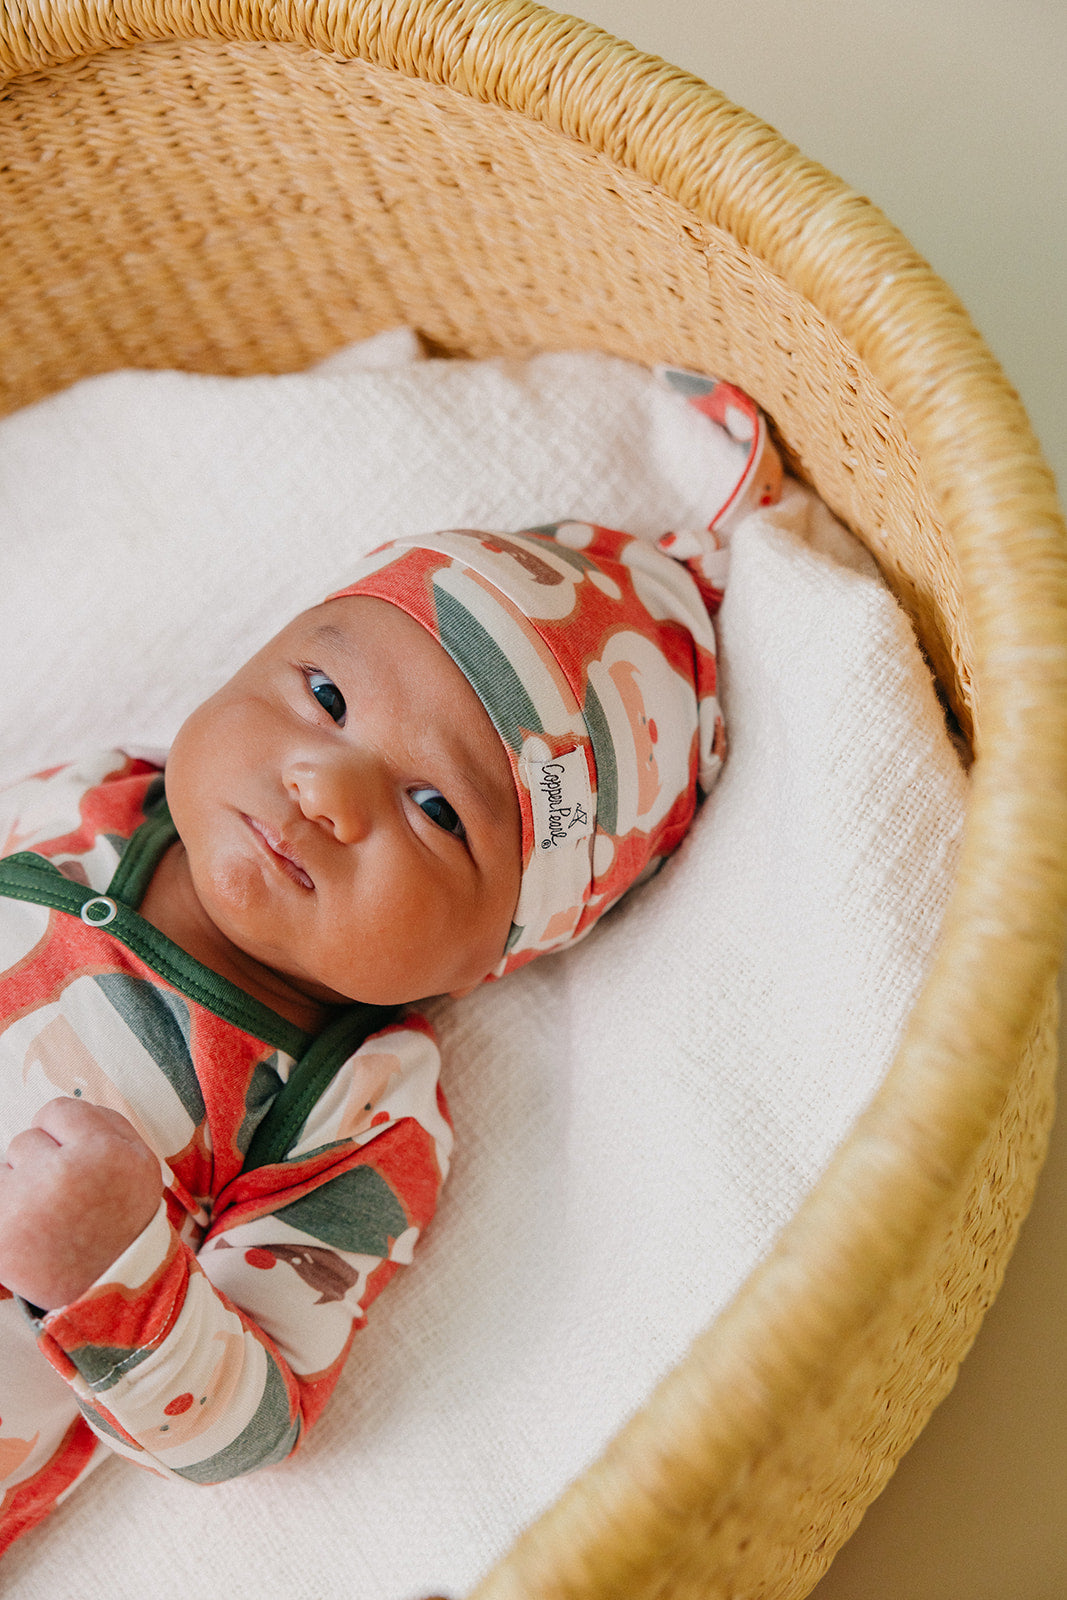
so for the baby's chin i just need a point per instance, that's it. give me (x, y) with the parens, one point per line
(234, 905)
(389, 993)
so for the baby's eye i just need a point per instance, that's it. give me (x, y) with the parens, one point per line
(437, 808)
(327, 694)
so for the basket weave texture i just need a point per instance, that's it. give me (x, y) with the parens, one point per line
(245, 187)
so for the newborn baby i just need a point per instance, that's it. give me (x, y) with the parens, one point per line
(222, 1135)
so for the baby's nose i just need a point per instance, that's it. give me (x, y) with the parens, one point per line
(339, 792)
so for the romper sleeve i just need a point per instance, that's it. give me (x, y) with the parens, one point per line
(206, 1366)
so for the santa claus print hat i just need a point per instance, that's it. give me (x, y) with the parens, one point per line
(594, 654)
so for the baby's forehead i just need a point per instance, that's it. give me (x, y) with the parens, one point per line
(363, 622)
(353, 624)
(326, 624)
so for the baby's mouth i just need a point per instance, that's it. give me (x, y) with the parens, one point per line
(279, 852)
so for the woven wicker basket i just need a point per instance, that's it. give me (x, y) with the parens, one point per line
(242, 187)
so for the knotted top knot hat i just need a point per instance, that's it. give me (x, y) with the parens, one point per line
(594, 654)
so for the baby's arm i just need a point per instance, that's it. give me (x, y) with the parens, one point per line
(207, 1367)
(76, 1189)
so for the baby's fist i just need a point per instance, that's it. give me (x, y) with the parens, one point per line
(77, 1188)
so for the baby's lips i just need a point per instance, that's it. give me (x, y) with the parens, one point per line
(282, 851)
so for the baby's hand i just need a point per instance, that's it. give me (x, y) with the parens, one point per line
(77, 1188)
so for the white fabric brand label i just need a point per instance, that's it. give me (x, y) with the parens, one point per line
(561, 801)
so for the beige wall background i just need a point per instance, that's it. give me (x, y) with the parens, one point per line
(953, 118)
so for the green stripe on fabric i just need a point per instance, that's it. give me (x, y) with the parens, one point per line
(160, 1021)
(691, 384)
(356, 1211)
(484, 664)
(607, 775)
(102, 1365)
(268, 1438)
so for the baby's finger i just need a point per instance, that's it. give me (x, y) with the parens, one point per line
(69, 1118)
(30, 1148)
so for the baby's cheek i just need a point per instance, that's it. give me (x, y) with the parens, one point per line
(230, 884)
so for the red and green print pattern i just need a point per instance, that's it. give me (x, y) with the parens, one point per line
(214, 1341)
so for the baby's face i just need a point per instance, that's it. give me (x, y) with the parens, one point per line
(349, 812)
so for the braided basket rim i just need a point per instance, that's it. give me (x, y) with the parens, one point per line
(878, 1208)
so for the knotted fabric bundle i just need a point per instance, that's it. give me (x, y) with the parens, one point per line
(594, 654)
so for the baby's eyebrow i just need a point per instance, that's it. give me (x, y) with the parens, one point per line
(329, 633)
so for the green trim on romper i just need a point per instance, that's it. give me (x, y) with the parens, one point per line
(317, 1058)
(310, 1079)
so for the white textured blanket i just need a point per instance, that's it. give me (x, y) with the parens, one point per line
(636, 1119)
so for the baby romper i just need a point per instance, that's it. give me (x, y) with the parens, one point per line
(215, 1339)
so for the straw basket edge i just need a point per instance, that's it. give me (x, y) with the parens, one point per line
(757, 1456)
